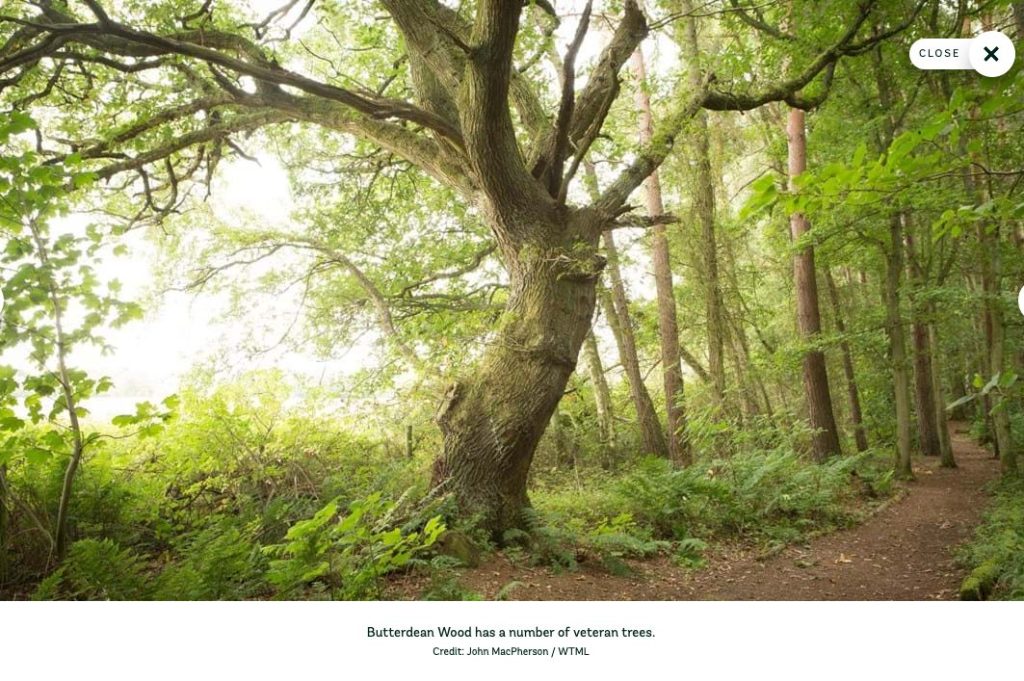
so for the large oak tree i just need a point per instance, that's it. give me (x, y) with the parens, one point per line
(507, 141)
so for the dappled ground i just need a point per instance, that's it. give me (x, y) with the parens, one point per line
(905, 551)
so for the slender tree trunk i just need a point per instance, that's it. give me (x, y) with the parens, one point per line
(815, 373)
(983, 363)
(562, 439)
(929, 440)
(616, 312)
(704, 209)
(997, 344)
(70, 405)
(651, 435)
(738, 332)
(995, 329)
(852, 391)
(748, 394)
(898, 348)
(947, 459)
(959, 390)
(672, 372)
(924, 392)
(1001, 417)
(739, 338)
(602, 395)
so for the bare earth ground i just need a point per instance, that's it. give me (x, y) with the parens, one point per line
(903, 552)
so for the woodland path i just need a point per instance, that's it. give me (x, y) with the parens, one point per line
(905, 551)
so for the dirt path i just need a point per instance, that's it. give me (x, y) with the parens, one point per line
(903, 552)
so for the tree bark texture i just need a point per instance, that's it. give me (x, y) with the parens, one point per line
(492, 421)
(815, 373)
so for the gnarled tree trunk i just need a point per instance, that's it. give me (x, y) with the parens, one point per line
(492, 421)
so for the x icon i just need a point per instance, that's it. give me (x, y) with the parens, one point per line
(990, 53)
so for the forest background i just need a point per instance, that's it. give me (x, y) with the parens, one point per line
(591, 281)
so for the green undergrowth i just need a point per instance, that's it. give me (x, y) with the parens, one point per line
(240, 498)
(995, 556)
(771, 498)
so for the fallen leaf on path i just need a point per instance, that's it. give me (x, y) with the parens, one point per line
(842, 559)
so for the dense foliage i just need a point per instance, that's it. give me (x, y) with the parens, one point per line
(996, 554)
(836, 239)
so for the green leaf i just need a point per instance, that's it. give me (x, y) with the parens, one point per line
(37, 455)
(11, 423)
(391, 538)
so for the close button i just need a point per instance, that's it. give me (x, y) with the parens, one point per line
(992, 54)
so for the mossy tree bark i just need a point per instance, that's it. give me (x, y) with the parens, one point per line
(704, 209)
(491, 422)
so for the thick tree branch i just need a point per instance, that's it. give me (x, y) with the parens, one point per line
(490, 137)
(789, 90)
(132, 42)
(568, 104)
(594, 101)
(651, 157)
(239, 123)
